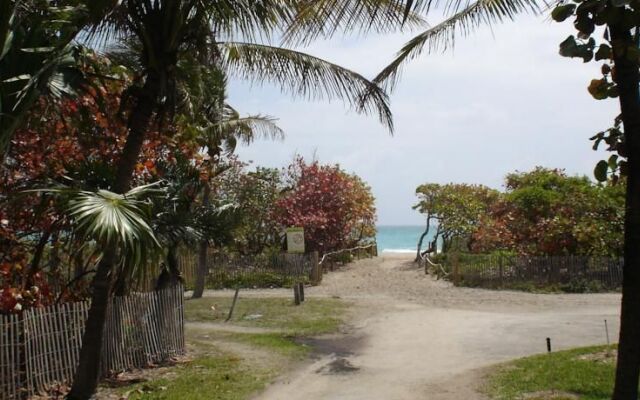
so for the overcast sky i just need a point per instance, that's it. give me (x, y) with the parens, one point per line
(500, 101)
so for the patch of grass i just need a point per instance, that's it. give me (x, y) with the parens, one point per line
(313, 317)
(573, 286)
(585, 374)
(284, 345)
(264, 279)
(279, 343)
(218, 375)
(221, 377)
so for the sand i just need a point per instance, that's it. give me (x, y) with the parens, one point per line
(412, 337)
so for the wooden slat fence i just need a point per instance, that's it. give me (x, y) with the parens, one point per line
(40, 348)
(230, 270)
(496, 271)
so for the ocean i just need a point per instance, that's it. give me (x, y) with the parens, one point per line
(399, 239)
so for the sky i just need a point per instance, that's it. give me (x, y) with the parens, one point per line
(502, 100)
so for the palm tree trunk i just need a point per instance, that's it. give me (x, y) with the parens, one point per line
(87, 374)
(628, 80)
(201, 273)
(171, 276)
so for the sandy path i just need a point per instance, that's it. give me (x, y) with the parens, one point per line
(415, 338)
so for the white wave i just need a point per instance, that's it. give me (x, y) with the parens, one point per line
(398, 251)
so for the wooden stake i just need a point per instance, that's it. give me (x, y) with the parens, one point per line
(233, 305)
(296, 294)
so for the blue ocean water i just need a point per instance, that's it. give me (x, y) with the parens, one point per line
(399, 238)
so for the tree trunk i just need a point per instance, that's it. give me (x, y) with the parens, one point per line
(422, 237)
(628, 78)
(86, 377)
(87, 374)
(203, 268)
(170, 276)
(34, 268)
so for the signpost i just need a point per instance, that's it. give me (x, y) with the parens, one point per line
(295, 240)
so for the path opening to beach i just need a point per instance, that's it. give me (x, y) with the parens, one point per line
(410, 336)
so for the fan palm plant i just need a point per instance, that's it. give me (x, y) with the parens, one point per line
(117, 226)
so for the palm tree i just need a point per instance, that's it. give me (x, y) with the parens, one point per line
(37, 55)
(170, 30)
(622, 34)
(206, 118)
(220, 127)
(221, 138)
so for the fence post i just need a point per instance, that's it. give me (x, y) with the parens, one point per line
(501, 269)
(301, 291)
(296, 294)
(316, 268)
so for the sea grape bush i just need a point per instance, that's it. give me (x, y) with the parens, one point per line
(336, 209)
(542, 212)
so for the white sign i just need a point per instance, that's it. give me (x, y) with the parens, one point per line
(295, 240)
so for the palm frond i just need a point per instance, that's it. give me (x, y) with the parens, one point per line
(442, 36)
(303, 75)
(248, 128)
(113, 220)
(324, 18)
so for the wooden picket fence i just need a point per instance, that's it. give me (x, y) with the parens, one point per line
(233, 270)
(505, 271)
(40, 348)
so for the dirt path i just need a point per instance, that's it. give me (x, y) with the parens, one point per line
(415, 338)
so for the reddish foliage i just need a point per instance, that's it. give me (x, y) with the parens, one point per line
(328, 203)
(59, 139)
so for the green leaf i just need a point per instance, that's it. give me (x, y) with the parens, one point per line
(604, 52)
(601, 170)
(599, 89)
(569, 47)
(584, 23)
(562, 12)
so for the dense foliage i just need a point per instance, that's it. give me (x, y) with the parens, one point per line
(336, 209)
(455, 210)
(542, 212)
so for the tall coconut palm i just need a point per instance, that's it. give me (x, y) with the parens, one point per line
(203, 116)
(170, 30)
(621, 23)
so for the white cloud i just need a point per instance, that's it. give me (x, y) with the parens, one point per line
(497, 103)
